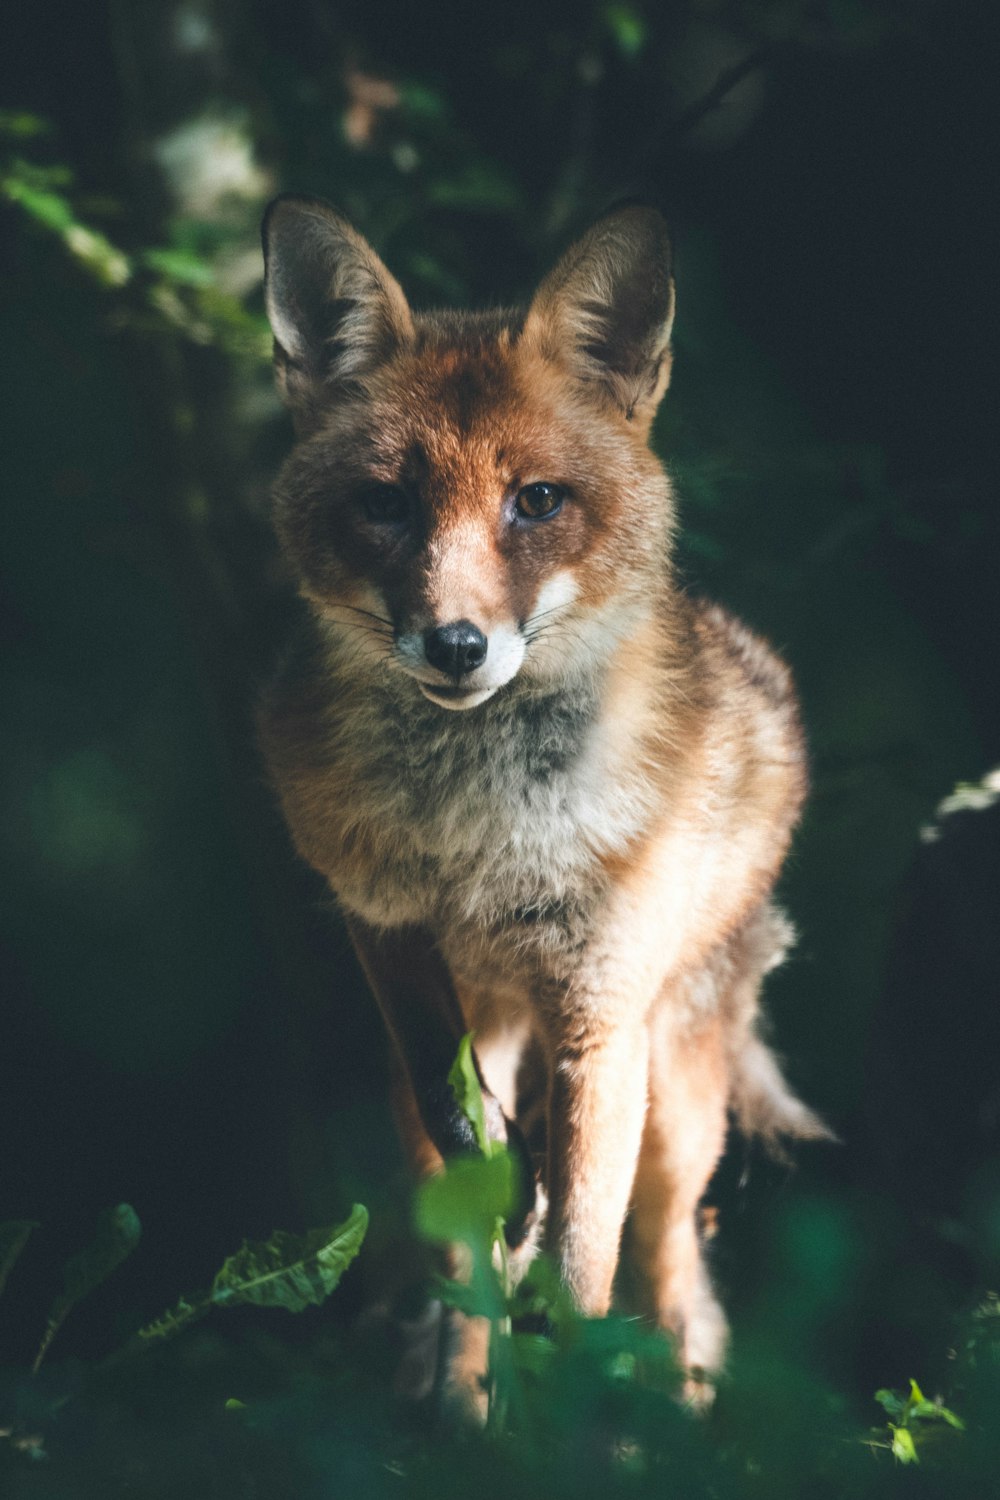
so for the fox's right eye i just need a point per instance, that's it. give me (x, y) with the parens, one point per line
(385, 505)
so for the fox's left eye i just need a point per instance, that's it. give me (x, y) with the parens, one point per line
(385, 505)
(536, 501)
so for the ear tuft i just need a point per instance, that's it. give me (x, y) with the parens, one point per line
(606, 310)
(334, 309)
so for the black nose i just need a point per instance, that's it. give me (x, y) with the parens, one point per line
(455, 649)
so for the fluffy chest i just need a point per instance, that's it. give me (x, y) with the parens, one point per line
(484, 824)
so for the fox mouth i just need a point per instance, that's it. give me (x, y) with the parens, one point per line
(454, 697)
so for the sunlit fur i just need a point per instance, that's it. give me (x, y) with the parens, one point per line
(579, 864)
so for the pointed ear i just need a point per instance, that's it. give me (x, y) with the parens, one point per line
(334, 309)
(606, 310)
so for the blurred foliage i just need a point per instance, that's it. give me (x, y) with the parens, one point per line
(169, 973)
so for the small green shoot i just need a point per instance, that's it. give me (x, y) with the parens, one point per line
(913, 1420)
(465, 1085)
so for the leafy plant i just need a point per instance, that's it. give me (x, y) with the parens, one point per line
(159, 288)
(913, 1422)
(540, 1346)
(289, 1271)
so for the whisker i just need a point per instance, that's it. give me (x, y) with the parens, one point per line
(380, 629)
(367, 613)
(533, 620)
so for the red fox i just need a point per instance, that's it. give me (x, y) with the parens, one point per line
(551, 792)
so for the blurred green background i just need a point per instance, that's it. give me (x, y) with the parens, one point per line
(183, 1025)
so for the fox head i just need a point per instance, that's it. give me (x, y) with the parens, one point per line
(472, 496)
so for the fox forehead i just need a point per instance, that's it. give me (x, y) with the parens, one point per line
(445, 412)
(463, 421)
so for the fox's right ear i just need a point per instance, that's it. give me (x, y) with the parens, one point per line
(606, 311)
(334, 309)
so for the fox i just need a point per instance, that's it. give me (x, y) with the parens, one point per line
(550, 790)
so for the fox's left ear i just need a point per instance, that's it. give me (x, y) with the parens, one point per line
(607, 309)
(335, 310)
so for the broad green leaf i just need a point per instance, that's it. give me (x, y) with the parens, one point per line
(468, 1091)
(464, 1202)
(291, 1271)
(118, 1233)
(13, 1238)
(903, 1446)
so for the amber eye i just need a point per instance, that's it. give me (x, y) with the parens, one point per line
(385, 505)
(536, 501)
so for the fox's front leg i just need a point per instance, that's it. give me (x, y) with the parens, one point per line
(594, 1018)
(415, 993)
(411, 983)
(597, 1107)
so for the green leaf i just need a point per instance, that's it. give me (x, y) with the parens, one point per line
(20, 125)
(14, 1235)
(464, 1082)
(118, 1233)
(459, 1295)
(533, 1353)
(464, 1202)
(621, 1365)
(180, 266)
(291, 1271)
(50, 209)
(627, 27)
(903, 1446)
(103, 260)
(423, 103)
(542, 1293)
(932, 1411)
(916, 1394)
(893, 1404)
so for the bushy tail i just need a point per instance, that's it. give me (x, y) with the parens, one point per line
(763, 1103)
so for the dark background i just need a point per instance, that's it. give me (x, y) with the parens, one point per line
(183, 1027)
